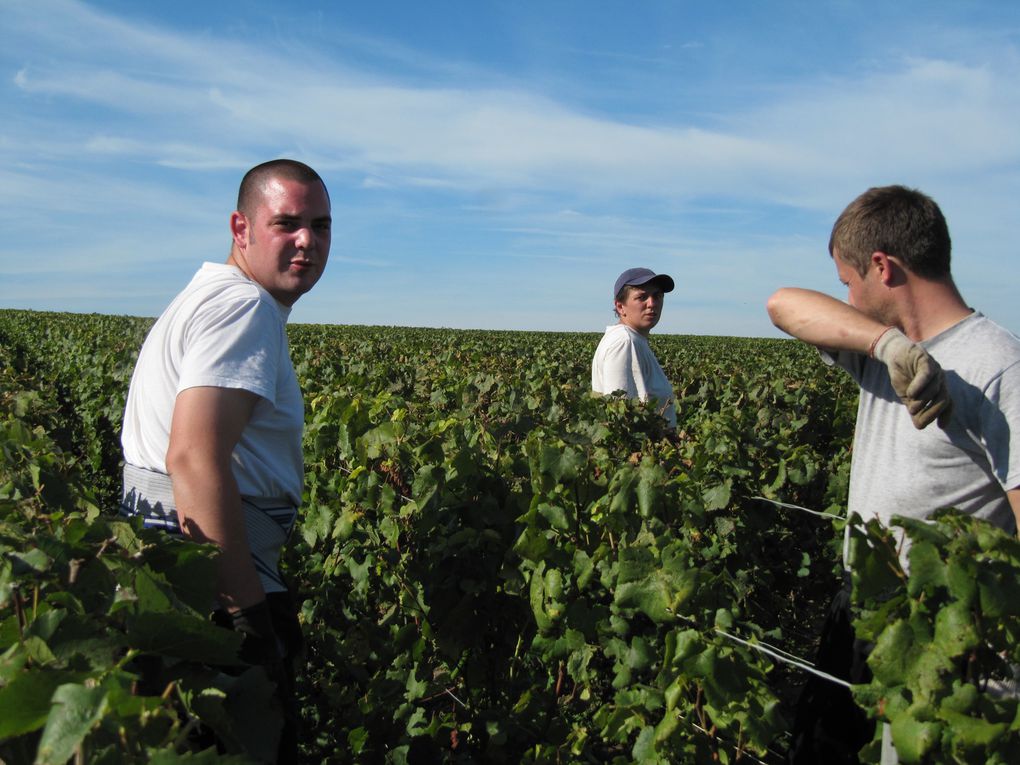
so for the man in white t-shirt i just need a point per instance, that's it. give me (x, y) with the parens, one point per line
(921, 356)
(214, 416)
(623, 359)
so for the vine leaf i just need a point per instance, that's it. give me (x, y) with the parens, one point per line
(76, 709)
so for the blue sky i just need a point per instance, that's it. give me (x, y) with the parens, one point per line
(494, 164)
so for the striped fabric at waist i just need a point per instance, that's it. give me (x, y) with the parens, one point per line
(268, 520)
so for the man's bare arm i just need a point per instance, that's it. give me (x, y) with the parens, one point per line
(207, 424)
(1014, 501)
(822, 320)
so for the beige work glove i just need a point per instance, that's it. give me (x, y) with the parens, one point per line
(916, 377)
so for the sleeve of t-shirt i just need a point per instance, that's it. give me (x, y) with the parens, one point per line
(618, 368)
(850, 361)
(1000, 426)
(233, 344)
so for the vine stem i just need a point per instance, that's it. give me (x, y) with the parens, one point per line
(517, 654)
(182, 737)
(19, 611)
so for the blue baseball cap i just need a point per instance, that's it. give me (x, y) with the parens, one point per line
(635, 277)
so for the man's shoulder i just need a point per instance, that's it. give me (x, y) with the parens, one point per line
(220, 305)
(982, 362)
(222, 280)
(976, 340)
(995, 333)
(617, 338)
(219, 288)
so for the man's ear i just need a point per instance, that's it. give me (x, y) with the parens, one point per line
(239, 229)
(887, 267)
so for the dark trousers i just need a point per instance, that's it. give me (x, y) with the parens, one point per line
(829, 727)
(285, 623)
(151, 679)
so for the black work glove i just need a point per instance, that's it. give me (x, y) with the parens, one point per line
(260, 645)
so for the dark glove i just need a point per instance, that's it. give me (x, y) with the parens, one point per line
(259, 643)
(916, 377)
(261, 646)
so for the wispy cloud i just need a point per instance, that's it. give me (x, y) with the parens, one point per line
(924, 116)
(117, 124)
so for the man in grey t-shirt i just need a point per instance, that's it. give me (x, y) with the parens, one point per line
(921, 356)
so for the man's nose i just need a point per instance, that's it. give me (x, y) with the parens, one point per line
(304, 238)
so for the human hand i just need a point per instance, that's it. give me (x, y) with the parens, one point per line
(259, 644)
(262, 647)
(916, 377)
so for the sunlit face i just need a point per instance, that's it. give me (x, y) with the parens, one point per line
(641, 308)
(865, 293)
(284, 245)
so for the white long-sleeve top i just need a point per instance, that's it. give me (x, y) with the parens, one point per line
(624, 361)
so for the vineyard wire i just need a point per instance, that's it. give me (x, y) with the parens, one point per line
(793, 658)
(799, 663)
(449, 693)
(798, 507)
(744, 753)
(764, 499)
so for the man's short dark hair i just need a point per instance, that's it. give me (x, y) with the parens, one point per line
(896, 220)
(252, 185)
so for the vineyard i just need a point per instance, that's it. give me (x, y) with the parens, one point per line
(494, 565)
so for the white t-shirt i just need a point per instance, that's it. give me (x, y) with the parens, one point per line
(899, 470)
(624, 361)
(223, 330)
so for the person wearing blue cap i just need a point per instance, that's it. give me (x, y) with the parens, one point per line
(623, 360)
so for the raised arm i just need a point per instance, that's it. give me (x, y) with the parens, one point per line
(207, 424)
(823, 321)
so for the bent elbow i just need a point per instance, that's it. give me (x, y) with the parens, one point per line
(177, 459)
(776, 306)
(187, 459)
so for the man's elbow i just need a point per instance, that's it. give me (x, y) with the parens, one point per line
(179, 460)
(183, 459)
(777, 307)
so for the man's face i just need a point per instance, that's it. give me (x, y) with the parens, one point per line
(642, 307)
(865, 292)
(284, 244)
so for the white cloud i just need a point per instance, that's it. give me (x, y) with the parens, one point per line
(925, 116)
(121, 126)
(172, 154)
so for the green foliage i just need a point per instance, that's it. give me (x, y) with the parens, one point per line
(946, 635)
(510, 563)
(494, 565)
(86, 601)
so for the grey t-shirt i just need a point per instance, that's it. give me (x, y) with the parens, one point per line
(899, 470)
